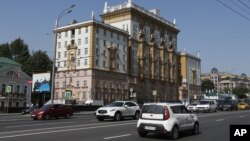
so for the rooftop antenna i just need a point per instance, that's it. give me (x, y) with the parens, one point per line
(198, 54)
(174, 22)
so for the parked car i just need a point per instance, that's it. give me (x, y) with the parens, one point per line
(229, 105)
(207, 105)
(166, 118)
(117, 110)
(243, 106)
(52, 111)
(29, 110)
(192, 107)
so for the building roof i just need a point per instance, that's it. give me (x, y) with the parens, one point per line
(6, 61)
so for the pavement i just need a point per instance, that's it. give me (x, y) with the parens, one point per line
(75, 113)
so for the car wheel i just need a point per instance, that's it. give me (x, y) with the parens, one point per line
(175, 133)
(117, 116)
(142, 133)
(47, 117)
(196, 128)
(137, 115)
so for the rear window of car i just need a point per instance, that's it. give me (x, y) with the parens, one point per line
(153, 109)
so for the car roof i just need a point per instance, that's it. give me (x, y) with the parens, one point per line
(164, 104)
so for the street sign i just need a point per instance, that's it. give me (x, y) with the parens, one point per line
(68, 95)
(154, 92)
(8, 89)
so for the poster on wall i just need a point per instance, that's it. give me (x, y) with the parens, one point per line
(41, 82)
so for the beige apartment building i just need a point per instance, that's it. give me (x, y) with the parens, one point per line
(130, 54)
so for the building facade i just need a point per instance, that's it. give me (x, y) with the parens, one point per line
(15, 89)
(226, 82)
(131, 54)
(190, 77)
(91, 61)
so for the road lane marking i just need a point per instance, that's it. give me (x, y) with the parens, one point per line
(15, 126)
(61, 127)
(117, 136)
(219, 120)
(242, 116)
(64, 130)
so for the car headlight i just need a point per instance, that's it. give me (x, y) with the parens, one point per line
(112, 110)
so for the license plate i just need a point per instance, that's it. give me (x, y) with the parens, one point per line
(149, 128)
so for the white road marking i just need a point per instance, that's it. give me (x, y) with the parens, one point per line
(63, 130)
(37, 124)
(242, 116)
(117, 136)
(219, 119)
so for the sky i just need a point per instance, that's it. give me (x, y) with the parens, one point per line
(218, 29)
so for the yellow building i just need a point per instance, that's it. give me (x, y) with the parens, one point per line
(190, 77)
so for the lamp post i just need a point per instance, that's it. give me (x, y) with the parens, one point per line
(62, 13)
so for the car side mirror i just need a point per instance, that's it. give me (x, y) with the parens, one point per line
(126, 106)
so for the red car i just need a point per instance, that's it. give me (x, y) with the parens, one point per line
(52, 111)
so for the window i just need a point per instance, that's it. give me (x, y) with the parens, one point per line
(86, 40)
(104, 53)
(96, 62)
(85, 73)
(85, 83)
(104, 32)
(104, 42)
(97, 41)
(58, 64)
(124, 48)
(86, 51)
(65, 44)
(117, 66)
(117, 56)
(111, 34)
(78, 73)
(65, 53)
(79, 31)
(85, 62)
(59, 44)
(3, 88)
(18, 89)
(79, 52)
(79, 41)
(97, 51)
(176, 109)
(70, 80)
(25, 89)
(86, 30)
(64, 64)
(73, 33)
(118, 37)
(58, 34)
(78, 62)
(97, 30)
(57, 84)
(59, 55)
(104, 63)
(77, 84)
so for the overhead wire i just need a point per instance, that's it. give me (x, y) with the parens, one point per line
(235, 11)
(244, 4)
(232, 1)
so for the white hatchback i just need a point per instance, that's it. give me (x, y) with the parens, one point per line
(167, 119)
(117, 110)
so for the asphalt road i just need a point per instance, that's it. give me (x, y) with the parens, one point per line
(214, 127)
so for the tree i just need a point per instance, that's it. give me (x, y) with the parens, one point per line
(5, 50)
(20, 53)
(207, 85)
(241, 92)
(39, 62)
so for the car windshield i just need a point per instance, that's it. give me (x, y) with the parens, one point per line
(116, 104)
(45, 107)
(153, 109)
(204, 102)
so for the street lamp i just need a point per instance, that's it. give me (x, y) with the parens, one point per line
(62, 13)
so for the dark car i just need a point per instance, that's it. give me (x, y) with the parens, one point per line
(29, 110)
(229, 105)
(52, 111)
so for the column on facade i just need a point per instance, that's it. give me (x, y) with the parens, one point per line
(141, 55)
(162, 61)
(152, 57)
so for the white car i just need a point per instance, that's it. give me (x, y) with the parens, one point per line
(207, 105)
(166, 118)
(192, 107)
(117, 110)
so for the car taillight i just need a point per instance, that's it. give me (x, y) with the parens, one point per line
(166, 113)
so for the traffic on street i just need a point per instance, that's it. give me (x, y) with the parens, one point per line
(85, 126)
